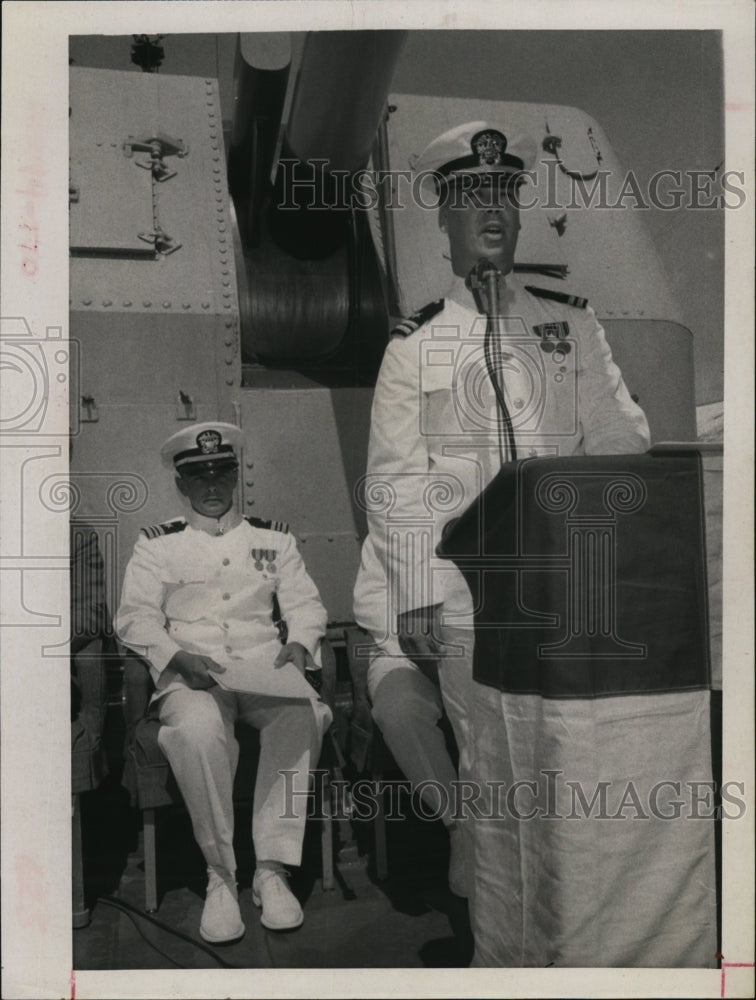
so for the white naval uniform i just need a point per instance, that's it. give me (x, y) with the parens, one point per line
(189, 588)
(434, 441)
(434, 446)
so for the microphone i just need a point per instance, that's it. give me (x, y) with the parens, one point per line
(483, 282)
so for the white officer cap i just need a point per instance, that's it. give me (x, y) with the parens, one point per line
(474, 150)
(203, 444)
(477, 148)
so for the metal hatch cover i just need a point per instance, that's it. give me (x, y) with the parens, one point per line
(114, 203)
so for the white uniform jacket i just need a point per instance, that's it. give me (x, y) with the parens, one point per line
(434, 438)
(187, 589)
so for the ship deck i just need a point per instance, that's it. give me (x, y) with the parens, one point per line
(411, 919)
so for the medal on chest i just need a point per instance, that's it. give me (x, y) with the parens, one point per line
(265, 559)
(553, 337)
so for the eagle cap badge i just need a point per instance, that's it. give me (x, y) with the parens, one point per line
(489, 146)
(209, 442)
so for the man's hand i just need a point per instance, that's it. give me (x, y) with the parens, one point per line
(196, 670)
(296, 653)
(417, 629)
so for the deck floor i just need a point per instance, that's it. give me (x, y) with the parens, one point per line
(409, 920)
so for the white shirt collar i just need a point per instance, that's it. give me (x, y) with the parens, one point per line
(461, 294)
(214, 525)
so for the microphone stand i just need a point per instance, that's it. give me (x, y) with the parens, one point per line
(483, 282)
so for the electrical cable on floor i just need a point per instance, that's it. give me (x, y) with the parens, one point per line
(131, 911)
(144, 937)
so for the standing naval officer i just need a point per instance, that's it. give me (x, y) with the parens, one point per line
(452, 404)
(197, 603)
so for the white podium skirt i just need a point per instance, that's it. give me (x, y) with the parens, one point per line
(595, 840)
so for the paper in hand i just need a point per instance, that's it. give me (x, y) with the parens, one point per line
(256, 674)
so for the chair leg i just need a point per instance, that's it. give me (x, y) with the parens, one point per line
(80, 911)
(327, 838)
(150, 861)
(381, 857)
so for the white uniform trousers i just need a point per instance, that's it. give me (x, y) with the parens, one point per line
(407, 707)
(197, 737)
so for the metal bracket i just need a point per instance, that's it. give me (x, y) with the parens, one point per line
(162, 243)
(89, 414)
(553, 143)
(185, 409)
(594, 145)
(158, 146)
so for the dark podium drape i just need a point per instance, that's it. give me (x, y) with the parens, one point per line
(588, 576)
(590, 716)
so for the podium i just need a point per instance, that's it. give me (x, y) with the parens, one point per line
(595, 839)
(588, 576)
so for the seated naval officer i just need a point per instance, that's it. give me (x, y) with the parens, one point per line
(197, 602)
(458, 395)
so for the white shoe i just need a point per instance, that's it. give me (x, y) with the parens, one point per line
(221, 920)
(280, 908)
(457, 873)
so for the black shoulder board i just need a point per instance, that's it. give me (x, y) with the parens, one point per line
(568, 300)
(409, 325)
(258, 522)
(166, 528)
